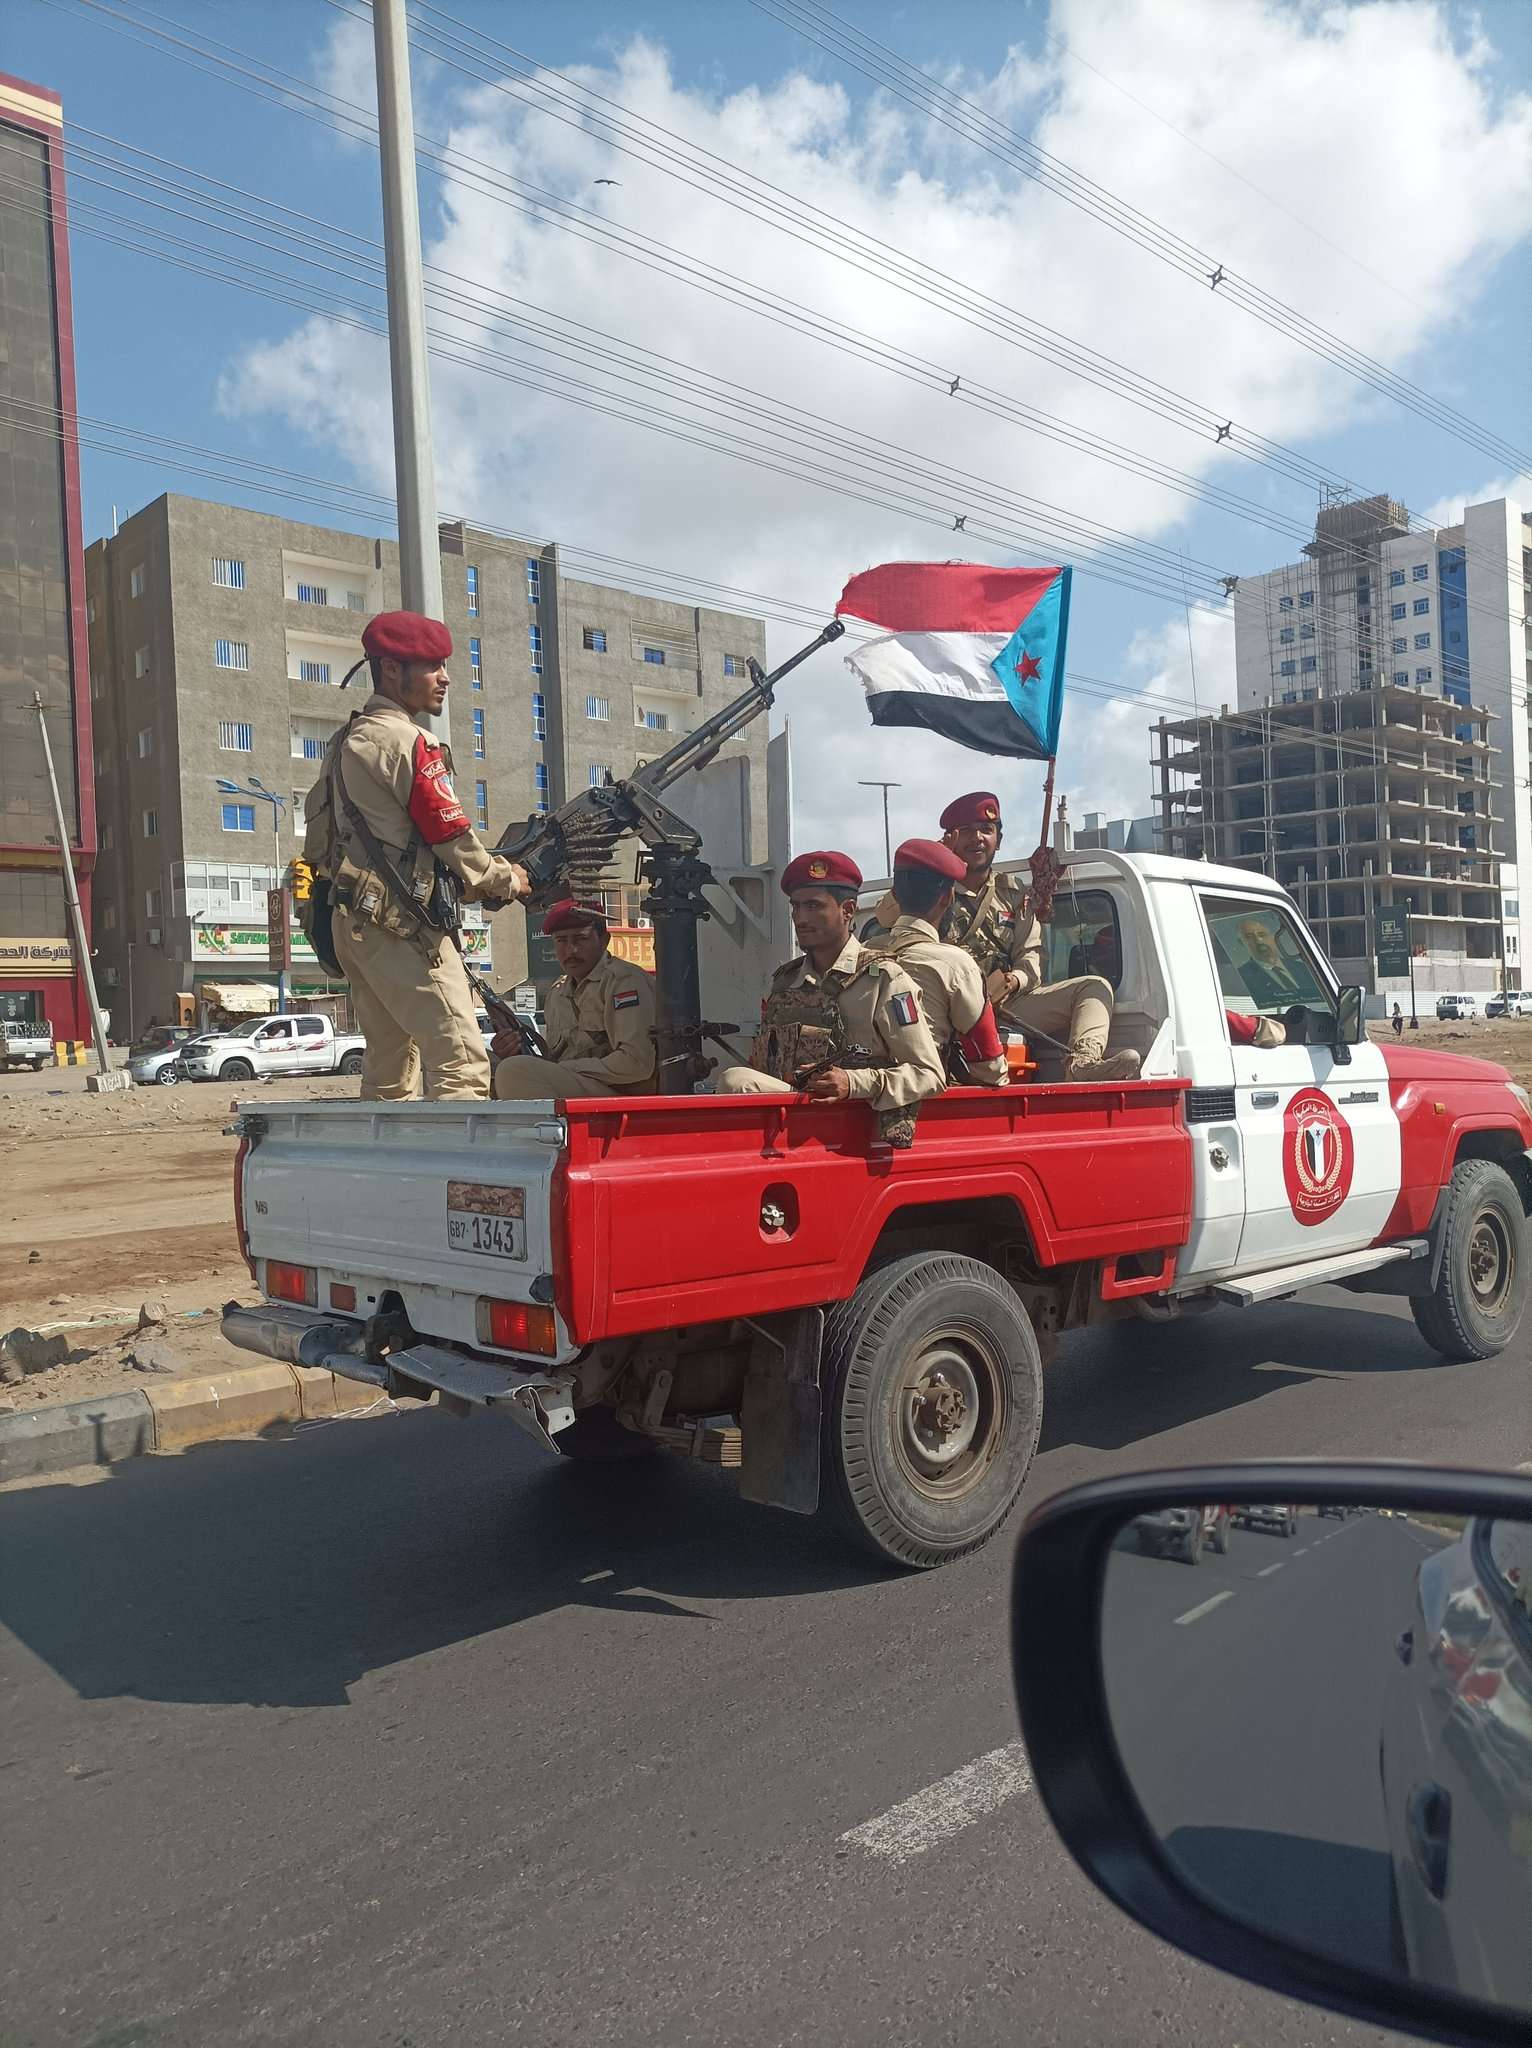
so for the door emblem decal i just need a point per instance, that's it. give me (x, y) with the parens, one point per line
(1318, 1156)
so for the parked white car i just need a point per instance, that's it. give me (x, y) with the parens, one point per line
(1460, 1007)
(271, 1046)
(26, 1043)
(1515, 1002)
(152, 1059)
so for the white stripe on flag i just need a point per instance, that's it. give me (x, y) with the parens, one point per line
(933, 664)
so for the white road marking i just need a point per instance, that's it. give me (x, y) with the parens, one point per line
(1196, 1613)
(1266, 1571)
(590, 1578)
(945, 1808)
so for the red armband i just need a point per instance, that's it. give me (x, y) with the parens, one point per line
(1242, 1026)
(984, 1041)
(434, 809)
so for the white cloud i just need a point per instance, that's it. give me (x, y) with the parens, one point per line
(1302, 99)
(1448, 511)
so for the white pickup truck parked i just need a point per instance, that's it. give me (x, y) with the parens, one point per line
(25, 1043)
(271, 1046)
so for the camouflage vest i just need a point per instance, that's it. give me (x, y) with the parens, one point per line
(983, 921)
(804, 1027)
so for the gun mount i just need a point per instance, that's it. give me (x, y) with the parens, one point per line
(569, 852)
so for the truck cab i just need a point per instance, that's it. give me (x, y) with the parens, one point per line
(759, 1281)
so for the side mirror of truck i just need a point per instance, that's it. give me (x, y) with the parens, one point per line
(1350, 1024)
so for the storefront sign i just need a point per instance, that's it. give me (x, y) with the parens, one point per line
(279, 931)
(29, 958)
(1393, 941)
(250, 945)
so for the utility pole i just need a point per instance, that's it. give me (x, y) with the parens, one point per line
(888, 844)
(420, 568)
(106, 1081)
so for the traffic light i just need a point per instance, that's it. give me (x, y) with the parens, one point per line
(302, 880)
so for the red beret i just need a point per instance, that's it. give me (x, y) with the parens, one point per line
(406, 636)
(931, 854)
(979, 807)
(821, 871)
(569, 916)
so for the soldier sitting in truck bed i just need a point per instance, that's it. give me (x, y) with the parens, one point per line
(600, 1019)
(840, 1023)
(951, 986)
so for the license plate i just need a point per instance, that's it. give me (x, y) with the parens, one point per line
(486, 1219)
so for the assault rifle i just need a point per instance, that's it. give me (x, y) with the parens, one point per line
(506, 1018)
(569, 852)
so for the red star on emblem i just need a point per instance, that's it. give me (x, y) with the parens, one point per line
(1028, 667)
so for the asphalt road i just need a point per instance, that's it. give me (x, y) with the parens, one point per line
(395, 1733)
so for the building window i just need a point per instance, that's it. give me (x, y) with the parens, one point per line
(540, 776)
(1289, 668)
(471, 570)
(228, 572)
(108, 914)
(234, 738)
(300, 823)
(1454, 639)
(1401, 646)
(481, 803)
(1422, 675)
(1284, 604)
(313, 671)
(1305, 597)
(1401, 676)
(231, 653)
(735, 665)
(534, 579)
(476, 663)
(595, 639)
(313, 593)
(136, 581)
(1287, 636)
(1309, 696)
(539, 715)
(108, 838)
(153, 902)
(655, 721)
(1306, 632)
(1310, 663)
(478, 735)
(1396, 611)
(1289, 696)
(535, 642)
(1421, 606)
(151, 824)
(239, 817)
(1395, 577)
(598, 774)
(1421, 571)
(141, 661)
(1422, 640)
(598, 707)
(310, 737)
(655, 656)
(146, 743)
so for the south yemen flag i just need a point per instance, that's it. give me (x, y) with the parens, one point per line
(972, 652)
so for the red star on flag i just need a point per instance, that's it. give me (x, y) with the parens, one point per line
(1028, 667)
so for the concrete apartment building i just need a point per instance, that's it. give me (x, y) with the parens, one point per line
(42, 582)
(1377, 796)
(1439, 614)
(218, 639)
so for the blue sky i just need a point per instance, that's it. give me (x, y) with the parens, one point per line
(179, 354)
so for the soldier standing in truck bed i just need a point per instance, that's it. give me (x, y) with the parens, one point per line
(387, 834)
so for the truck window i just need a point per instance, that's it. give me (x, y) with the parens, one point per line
(1084, 937)
(1263, 962)
(311, 1027)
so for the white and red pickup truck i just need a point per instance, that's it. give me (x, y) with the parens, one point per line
(756, 1281)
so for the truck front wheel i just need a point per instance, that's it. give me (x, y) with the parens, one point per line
(934, 1398)
(1481, 1291)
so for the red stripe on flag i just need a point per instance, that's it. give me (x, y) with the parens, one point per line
(944, 597)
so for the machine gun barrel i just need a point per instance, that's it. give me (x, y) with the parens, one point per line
(697, 748)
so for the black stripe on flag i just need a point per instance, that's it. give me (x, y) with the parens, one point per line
(988, 725)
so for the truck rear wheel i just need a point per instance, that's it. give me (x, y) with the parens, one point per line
(934, 1398)
(1481, 1292)
(351, 1063)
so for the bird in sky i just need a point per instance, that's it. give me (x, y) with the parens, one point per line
(607, 181)
(1224, 431)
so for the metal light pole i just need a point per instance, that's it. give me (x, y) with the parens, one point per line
(420, 567)
(105, 1079)
(888, 844)
(255, 787)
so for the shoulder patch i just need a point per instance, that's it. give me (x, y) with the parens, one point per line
(625, 999)
(904, 1007)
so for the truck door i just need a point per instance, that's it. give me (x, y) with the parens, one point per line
(276, 1048)
(314, 1053)
(1318, 1134)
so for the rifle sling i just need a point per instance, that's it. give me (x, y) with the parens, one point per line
(379, 854)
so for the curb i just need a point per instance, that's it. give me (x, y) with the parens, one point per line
(65, 1435)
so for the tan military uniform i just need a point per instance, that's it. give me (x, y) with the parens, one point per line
(600, 1032)
(951, 989)
(865, 1001)
(997, 927)
(413, 1002)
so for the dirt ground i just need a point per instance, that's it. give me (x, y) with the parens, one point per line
(111, 1201)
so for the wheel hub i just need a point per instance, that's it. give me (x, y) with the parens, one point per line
(941, 1409)
(1489, 1261)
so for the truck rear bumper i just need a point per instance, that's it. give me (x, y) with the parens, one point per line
(541, 1402)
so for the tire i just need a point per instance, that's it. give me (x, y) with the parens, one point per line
(1219, 1540)
(596, 1437)
(351, 1063)
(1290, 1524)
(1189, 1546)
(236, 1070)
(1481, 1293)
(167, 1077)
(933, 1402)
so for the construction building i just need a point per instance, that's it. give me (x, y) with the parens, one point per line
(42, 582)
(218, 642)
(1378, 796)
(1378, 608)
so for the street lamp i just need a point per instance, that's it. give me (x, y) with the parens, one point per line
(256, 788)
(888, 852)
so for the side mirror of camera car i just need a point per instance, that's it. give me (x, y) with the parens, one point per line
(1281, 1714)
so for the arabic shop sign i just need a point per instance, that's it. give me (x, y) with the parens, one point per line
(250, 945)
(35, 957)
